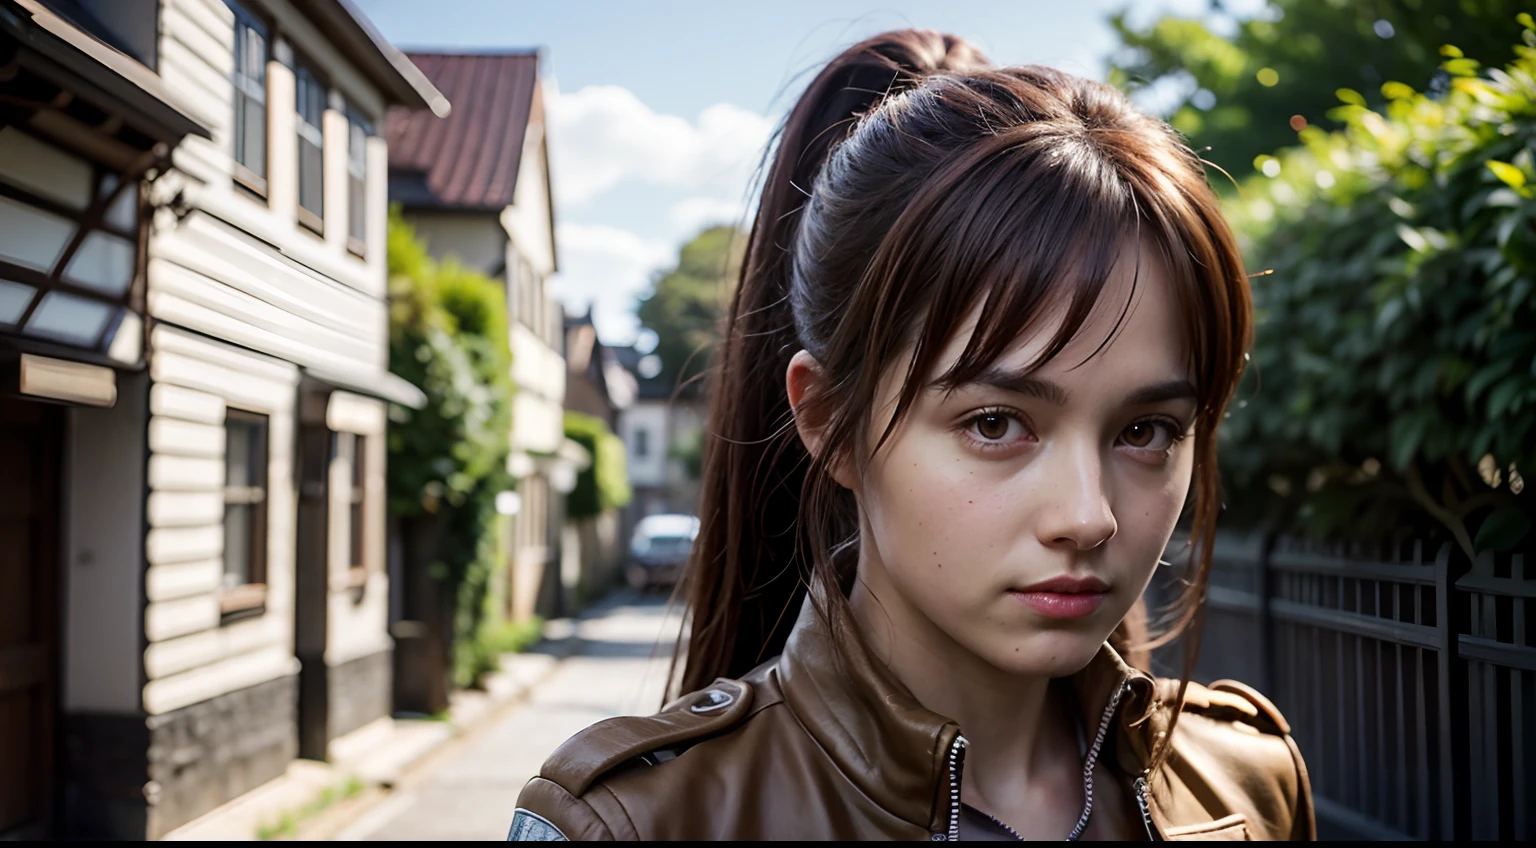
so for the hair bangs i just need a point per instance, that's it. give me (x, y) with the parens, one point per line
(1030, 224)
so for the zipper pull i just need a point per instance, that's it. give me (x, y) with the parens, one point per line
(1146, 809)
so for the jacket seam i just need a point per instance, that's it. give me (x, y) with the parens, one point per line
(784, 702)
(1303, 814)
(622, 809)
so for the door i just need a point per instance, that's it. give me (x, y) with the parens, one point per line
(30, 444)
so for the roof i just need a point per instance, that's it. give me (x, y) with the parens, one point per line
(470, 160)
(383, 63)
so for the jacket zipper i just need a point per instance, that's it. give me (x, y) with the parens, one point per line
(1146, 809)
(957, 766)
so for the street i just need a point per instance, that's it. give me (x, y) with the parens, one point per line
(619, 667)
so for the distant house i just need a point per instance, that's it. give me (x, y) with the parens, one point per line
(476, 188)
(660, 429)
(203, 505)
(596, 383)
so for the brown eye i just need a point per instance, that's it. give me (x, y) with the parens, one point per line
(1150, 435)
(1140, 434)
(992, 427)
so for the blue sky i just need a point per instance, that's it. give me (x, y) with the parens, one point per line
(659, 111)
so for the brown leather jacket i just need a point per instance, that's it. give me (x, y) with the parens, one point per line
(805, 747)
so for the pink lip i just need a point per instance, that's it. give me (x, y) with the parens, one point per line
(1064, 597)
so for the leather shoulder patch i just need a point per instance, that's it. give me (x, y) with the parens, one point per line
(590, 754)
(1246, 704)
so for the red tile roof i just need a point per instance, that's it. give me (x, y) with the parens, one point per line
(468, 160)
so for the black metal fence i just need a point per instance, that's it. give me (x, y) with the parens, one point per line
(1409, 679)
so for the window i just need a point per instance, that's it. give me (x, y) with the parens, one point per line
(358, 132)
(250, 79)
(642, 443)
(354, 447)
(245, 511)
(311, 99)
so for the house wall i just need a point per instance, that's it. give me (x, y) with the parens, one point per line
(650, 416)
(475, 240)
(242, 297)
(104, 552)
(528, 220)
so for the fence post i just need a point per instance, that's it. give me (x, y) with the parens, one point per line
(1451, 621)
(1266, 591)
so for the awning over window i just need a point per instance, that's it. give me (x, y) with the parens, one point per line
(80, 125)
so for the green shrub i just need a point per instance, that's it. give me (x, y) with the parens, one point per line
(447, 461)
(604, 484)
(1394, 373)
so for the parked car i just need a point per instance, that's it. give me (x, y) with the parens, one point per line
(659, 548)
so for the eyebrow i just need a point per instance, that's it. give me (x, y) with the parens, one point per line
(1021, 383)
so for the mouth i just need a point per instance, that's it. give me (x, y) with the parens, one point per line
(1063, 597)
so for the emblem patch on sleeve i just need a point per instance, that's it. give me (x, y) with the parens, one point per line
(532, 827)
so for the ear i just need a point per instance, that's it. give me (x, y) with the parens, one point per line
(803, 377)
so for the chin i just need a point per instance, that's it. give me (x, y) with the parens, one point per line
(1043, 653)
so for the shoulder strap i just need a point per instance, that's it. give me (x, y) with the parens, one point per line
(600, 748)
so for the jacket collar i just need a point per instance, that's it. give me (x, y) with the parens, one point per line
(895, 750)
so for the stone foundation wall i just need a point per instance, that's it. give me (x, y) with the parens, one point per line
(360, 691)
(209, 753)
(136, 777)
(106, 771)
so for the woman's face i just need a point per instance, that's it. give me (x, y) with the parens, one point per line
(1024, 513)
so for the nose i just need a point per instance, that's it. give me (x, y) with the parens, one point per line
(1078, 514)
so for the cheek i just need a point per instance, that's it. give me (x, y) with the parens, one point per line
(1146, 518)
(934, 515)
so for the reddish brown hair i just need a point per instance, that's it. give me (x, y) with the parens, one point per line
(911, 183)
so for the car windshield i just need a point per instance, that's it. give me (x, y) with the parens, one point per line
(665, 545)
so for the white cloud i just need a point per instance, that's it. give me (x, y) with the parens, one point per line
(693, 214)
(605, 142)
(608, 267)
(603, 135)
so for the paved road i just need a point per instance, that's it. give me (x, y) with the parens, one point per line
(470, 791)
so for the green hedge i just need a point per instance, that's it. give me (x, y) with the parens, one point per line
(1393, 381)
(604, 485)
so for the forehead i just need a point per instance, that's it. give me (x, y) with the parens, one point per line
(1135, 331)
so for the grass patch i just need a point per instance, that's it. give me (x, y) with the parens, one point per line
(287, 824)
(512, 637)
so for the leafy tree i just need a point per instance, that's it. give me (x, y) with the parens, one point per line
(447, 461)
(687, 304)
(1393, 381)
(1249, 95)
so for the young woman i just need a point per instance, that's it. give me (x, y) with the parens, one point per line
(988, 324)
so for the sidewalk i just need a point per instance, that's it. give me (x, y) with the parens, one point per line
(314, 799)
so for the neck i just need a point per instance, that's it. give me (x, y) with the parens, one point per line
(1019, 727)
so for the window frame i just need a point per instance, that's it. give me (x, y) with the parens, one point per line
(359, 130)
(246, 87)
(357, 512)
(307, 75)
(248, 598)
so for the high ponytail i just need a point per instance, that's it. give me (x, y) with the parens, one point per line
(746, 578)
(912, 187)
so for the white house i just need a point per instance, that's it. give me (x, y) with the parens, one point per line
(476, 188)
(221, 492)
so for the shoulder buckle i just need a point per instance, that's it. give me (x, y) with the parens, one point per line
(588, 755)
(1232, 692)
